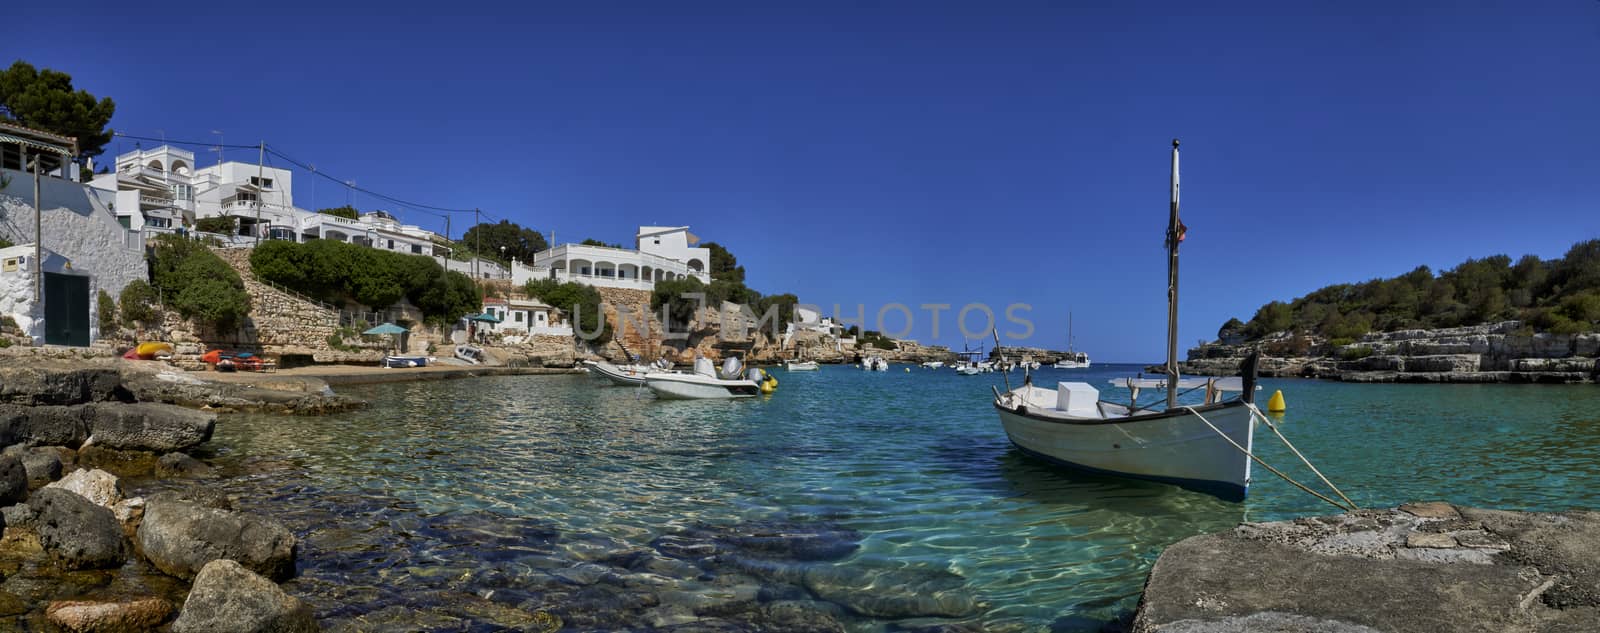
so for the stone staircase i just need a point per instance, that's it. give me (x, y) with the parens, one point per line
(283, 321)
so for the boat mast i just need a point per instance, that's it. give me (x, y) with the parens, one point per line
(1172, 287)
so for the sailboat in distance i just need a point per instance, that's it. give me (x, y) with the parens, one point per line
(1073, 359)
(1201, 446)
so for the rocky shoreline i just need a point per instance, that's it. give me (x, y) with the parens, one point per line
(1503, 352)
(79, 555)
(1425, 567)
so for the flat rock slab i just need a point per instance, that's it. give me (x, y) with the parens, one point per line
(1424, 567)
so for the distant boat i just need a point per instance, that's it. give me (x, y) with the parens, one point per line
(705, 383)
(1074, 360)
(800, 365)
(1197, 447)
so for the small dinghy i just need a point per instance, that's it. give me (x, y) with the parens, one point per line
(706, 383)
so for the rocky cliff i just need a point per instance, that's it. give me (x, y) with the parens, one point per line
(1498, 352)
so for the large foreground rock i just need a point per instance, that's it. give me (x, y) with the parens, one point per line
(180, 534)
(77, 533)
(96, 485)
(13, 480)
(128, 616)
(227, 598)
(1425, 567)
(57, 383)
(149, 426)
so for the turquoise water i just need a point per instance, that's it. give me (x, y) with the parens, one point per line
(521, 490)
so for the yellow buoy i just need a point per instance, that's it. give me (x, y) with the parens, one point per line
(1275, 404)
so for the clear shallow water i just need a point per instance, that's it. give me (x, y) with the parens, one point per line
(517, 491)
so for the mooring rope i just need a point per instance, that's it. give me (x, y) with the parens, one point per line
(1264, 464)
(1296, 451)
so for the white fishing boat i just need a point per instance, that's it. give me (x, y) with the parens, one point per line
(799, 364)
(625, 375)
(1073, 359)
(1203, 446)
(706, 383)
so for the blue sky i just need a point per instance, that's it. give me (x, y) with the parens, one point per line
(866, 153)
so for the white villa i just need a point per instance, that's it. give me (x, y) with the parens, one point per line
(161, 191)
(661, 253)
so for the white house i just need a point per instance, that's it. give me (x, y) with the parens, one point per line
(662, 253)
(523, 316)
(83, 248)
(154, 189)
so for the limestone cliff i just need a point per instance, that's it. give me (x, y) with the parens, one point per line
(1497, 352)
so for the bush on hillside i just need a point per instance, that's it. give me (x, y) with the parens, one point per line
(580, 303)
(1560, 295)
(338, 273)
(226, 225)
(106, 310)
(138, 305)
(198, 284)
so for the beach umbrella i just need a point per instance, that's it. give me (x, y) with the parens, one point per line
(389, 328)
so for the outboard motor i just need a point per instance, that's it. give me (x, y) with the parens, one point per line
(703, 366)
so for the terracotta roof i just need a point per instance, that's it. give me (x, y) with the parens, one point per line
(69, 141)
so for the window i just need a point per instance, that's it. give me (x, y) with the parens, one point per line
(264, 183)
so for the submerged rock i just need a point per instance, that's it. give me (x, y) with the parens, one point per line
(180, 536)
(128, 616)
(227, 598)
(77, 533)
(96, 485)
(182, 465)
(1423, 567)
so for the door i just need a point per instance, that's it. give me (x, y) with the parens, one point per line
(66, 310)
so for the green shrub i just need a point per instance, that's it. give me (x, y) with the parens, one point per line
(197, 283)
(1355, 353)
(338, 272)
(224, 224)
(138, 306)
(580, 303)
(106, 310)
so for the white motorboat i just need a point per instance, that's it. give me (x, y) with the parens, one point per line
(626, 375)
(706, 383)
(1203, 446)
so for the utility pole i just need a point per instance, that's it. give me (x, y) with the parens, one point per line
(261, 188)
(38, 234)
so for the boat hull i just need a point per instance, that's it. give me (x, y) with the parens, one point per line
(627, 377)
(697, 387)
(1177, 449)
